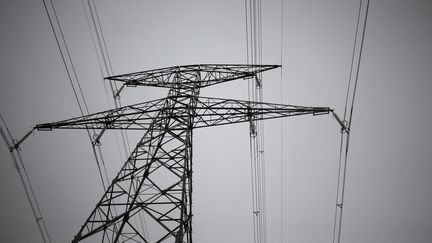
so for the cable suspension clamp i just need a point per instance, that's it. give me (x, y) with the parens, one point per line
(345, 128)
(97, 137)
(252, 126)
(258, 82)
(343, 124)
(252, 130)
(116, 93)
(17, 143)
(96, 141)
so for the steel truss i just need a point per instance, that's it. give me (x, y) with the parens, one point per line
(156, 179)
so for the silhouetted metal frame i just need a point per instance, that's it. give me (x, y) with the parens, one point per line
(156, 179)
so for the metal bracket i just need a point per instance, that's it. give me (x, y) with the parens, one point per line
(343, 124)
(97, 137)
(116, 94)
(258, 82)
(17, 143)
(252, 127)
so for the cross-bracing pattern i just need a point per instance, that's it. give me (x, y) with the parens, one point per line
(207, 111)
(156, 180)
(185, 76)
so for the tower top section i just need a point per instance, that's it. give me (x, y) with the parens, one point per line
(188, 76)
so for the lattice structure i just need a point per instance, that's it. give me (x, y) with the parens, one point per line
(156, 179)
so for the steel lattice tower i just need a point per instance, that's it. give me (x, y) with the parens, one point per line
(156, 179)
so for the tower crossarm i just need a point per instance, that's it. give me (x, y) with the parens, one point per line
(207, 112)
(184, 77)
(132, 117)
(215, 111)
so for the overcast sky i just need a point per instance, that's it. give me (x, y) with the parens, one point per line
(388, 193)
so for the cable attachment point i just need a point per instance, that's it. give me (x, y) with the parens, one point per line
(252, 126)
(252, 130)
(16, 143)
(97, 137)
(116, 93)
(14, 146)
(344, 128)
(343, 124)
(96, 141)
(258, 82)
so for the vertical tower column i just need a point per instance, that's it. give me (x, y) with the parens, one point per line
(154, 183)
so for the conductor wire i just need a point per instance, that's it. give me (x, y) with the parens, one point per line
(69, 73)
(25, 181)
(346, 129)
(281, 128)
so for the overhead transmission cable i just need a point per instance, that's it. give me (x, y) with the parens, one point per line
(97, 140)
(113, 85)
(102, 53)
(70, 68)
(281, 127)
(253, 12)
(347, 117)
(96, 28)
(25, 180)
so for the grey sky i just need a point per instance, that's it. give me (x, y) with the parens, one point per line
(388, 194)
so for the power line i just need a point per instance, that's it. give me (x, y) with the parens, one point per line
(344, 118)
(15, 153)
(346, 123)
(69, 66)
(281, 127)
(102, 73)
(253, 12)
(103, 51)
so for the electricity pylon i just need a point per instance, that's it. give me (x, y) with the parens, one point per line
(156, 179)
